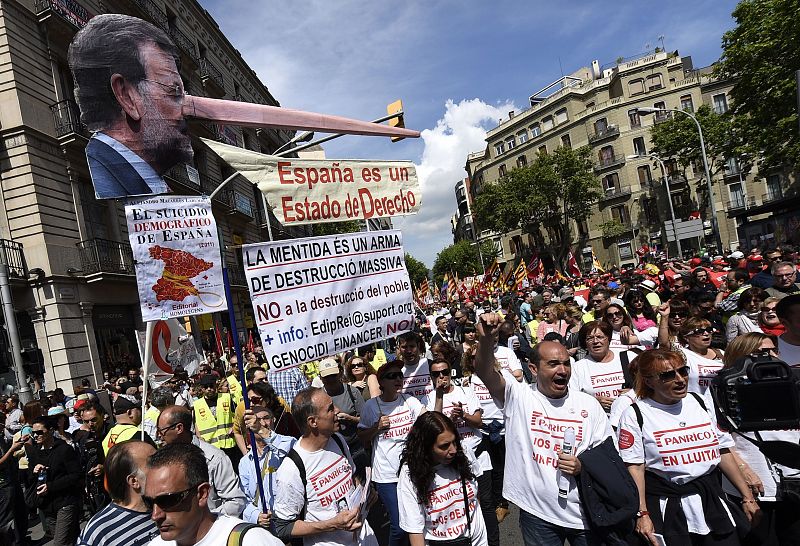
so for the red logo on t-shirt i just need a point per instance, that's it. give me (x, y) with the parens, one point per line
(625, 439)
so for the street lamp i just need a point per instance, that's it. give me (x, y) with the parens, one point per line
(669, 195)
(305, 136)
(646, 110)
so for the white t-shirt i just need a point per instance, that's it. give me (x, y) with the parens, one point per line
(219, 532)
(701, 371)
(329, 483)
(617, 346)
(444, 518)
(535, 428)
(508, 359)
(417, 381)
(789, 353)
(465, 395)
(648, 337)
(679, 442)
(758, 463)
(388, 444)
(492, 411)
(619, 406)
(599, 378)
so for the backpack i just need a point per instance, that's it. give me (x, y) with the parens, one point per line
(638, 411)
(236, 538)
(301, 470)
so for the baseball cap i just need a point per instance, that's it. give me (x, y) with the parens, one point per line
(56, 410)
(755, 258)
(124, 403)
(328, 366)
(694, 262)
(383, 370)
(647, 285)
(736, 255)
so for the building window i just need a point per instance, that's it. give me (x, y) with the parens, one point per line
(654, 81)
(543, 149)
(650, 209)
(634, 119)
(566, 142)
(499, 148)
(583, 228)
(499, 246)
(606, 155)
(621, 215)
(600, 126)
(522, 161)
(611, 183)
(638, 146)
(547, 123)
(731, 166)
(589, 105)
(661, 116)
(687, 104)
(720, 103)
(737, 195)
(645, 178)
(536, 130)
(774, 190)
(502, 170)
(561, 116)
(510, 143)
(523, 137)
(636, 87)
(95, 213)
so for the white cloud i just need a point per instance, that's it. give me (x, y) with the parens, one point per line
(460, 131)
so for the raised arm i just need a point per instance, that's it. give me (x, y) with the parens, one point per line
(487, 328)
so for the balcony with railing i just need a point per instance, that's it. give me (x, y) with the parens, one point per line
(153, 12)
(602, 134)
(609, 162)
(236, 275)
(615, 193)
(240, 204)
(185, 44)
(13, 256)
(104, 256)
(65, 11)
(180, 174)
(211, 74)
(737, 202)
(67, 120)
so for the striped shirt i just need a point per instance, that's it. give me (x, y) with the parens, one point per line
(118, 526)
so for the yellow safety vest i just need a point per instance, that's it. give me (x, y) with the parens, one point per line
(152, 415)
(236, 388)
(118, 434)
(216, 431)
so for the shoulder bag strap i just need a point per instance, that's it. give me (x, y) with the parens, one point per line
(626, 372)
(700, 400)
(466, 505)
(301, 471)
(236, 538)
(639, 417)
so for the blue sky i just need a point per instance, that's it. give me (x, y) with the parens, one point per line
(459, 66)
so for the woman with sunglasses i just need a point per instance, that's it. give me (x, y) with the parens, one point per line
(780, 523)
(675, 453)
(623, 335)
(385, 423)
(746, 319)
(673, 314)
(437, 478)
(703, 360)
(768, 319)
(360, 374)
(641, 312)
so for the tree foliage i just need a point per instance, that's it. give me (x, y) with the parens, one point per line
(546, 196)
(335, 228)
(761, 55)
(417, 271)
(463, 259)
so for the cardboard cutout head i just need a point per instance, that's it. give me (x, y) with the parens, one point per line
(131, 97)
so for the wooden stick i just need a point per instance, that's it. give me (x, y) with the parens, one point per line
(259, 115)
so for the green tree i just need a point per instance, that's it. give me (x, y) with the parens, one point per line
(417, 271)
(761, 55)
(543, 198)
(335, 228)
(462, 259)
(677, 138)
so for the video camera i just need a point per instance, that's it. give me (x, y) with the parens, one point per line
(759, 392)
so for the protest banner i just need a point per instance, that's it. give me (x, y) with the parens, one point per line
(309, 191)
(320, 296)
(164, 346)
(176, 250)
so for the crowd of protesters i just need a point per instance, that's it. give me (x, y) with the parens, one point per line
(584, 402)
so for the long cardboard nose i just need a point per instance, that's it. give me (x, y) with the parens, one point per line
(259, 115)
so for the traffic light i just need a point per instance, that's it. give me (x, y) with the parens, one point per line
(397, 121)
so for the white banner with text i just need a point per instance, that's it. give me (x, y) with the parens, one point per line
(320, 296)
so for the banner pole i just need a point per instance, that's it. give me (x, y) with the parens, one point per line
(239, 362)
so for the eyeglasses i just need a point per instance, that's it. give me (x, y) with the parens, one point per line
(393, 375)
(173, 90)
(698, 331)
(666, 377)
(437, 373)
(785, 274)
(162, 431)
(596, 338)
(169, 500)
(766, 351)
(255, 399)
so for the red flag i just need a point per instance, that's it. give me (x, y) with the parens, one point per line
(251, 344)
(572, 265)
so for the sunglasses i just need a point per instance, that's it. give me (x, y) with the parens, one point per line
(357, 365)
(770, 351)
(666, 377)
(37, 433)
(438, 373)
(169, 500)
(393, 375)
(768, 309)
(612, 315)
(698, 331)
(679, 315)
(255, 399)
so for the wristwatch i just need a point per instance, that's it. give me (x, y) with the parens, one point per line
(641, 513)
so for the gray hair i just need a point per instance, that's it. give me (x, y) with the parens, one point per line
(777, 265)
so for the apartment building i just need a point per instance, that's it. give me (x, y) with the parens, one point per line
(596, 106)
(73, 283)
